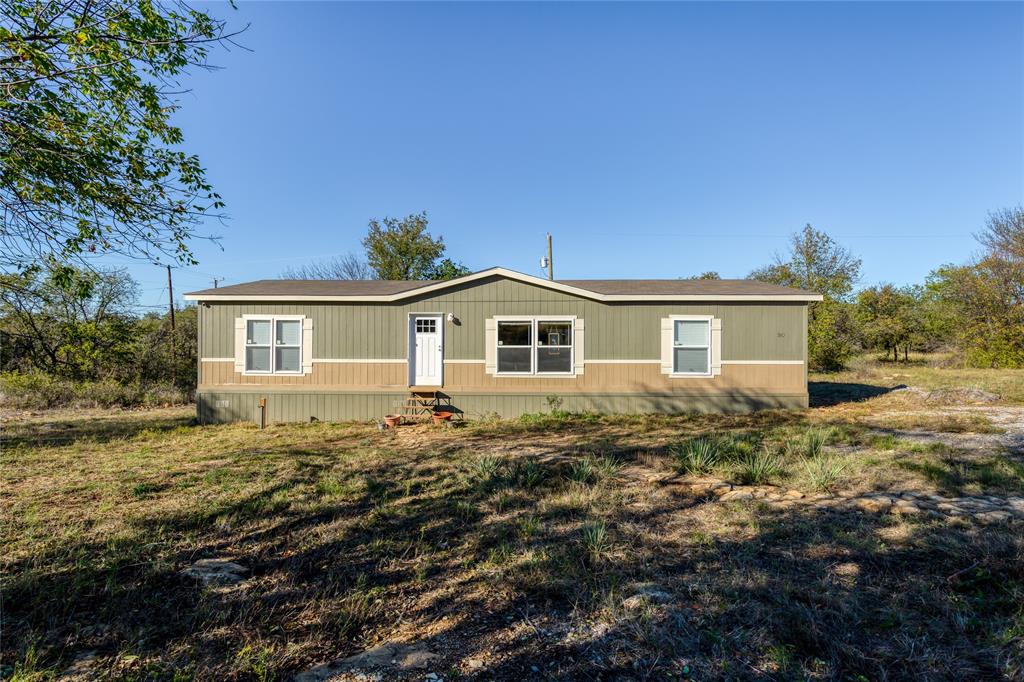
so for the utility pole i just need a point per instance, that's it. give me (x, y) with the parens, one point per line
(170, 302)
(551, 263)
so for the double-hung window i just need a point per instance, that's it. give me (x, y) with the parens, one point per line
(534, 346)
(273, 345)
(691, 347)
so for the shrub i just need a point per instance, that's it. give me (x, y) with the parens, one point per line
(759, 467)
(35, 390)
(698, 456)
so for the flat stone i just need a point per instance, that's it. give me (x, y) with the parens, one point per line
(394, 655)
(216, 572)
(794, 494)
(993, 517)
(81, 668)
(905, 508)
(874, 505)
(737, 495)
(474, 664)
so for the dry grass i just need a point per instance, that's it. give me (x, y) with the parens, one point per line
(517, 551)
(868, 375)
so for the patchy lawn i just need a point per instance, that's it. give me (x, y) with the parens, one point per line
(554, 546)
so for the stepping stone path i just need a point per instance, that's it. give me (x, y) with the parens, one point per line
(981, 508)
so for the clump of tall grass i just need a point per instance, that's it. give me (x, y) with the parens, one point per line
(697, 456)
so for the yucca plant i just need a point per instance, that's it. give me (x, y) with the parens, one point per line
(583, 471)
(595, 539)
(606, 467)
(530, 473)
(697, 456)
(486, 467)
(759, 466)
(822, 473)
(814, 441)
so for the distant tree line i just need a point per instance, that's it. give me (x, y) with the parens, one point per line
(975, 309)
(72, 334)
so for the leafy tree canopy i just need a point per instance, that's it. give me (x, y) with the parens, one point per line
(403, 249)
(815, 262)
(89, 159)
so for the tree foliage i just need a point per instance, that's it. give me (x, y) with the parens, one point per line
(816, 262)
(82, 326)
(401, 248)
(349, 266)
(89, 159)
(888, 317)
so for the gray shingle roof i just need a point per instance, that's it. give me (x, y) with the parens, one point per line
(614, 289)
(315, 287)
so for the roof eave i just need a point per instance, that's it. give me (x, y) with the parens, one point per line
(612, 298)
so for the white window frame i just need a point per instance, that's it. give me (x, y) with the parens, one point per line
(273, 319)
(691, 318)
(533, 320)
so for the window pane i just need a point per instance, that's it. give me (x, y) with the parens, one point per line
(554, 334)
(554, 360)
(692, 332)
(689, 360)
(513, 359)
(288, 332)
(257, 359)
(288, 359)
(514, 334)
(258, 333)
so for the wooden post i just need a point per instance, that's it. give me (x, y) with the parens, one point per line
(551, 263)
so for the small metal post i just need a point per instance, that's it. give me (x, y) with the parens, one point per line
(263, 413)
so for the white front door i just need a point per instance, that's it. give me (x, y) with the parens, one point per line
(426, 350)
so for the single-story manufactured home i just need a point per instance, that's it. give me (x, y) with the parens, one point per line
(499, 341)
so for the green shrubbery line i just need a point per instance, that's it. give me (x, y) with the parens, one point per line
(36, 390)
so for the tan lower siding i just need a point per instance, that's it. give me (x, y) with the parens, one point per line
(292, 406)
(639, 378)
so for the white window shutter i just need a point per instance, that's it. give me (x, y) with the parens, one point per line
(666, 345)
(239, 344)
(716, 346)
(307, 345)
(578, 338)
(491, 345)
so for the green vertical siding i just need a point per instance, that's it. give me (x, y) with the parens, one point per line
(614, 331)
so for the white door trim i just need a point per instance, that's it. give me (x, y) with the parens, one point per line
(411, 347)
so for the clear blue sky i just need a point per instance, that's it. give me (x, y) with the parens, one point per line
(652, 140)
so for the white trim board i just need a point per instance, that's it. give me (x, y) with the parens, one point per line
(513, 275)
(480, 362)
(762, 362)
